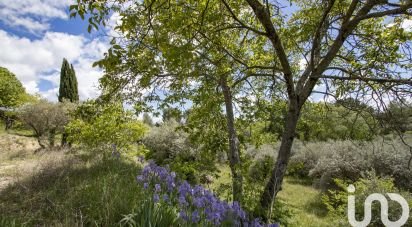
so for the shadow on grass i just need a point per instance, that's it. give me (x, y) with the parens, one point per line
(78, 192)
(316, 207)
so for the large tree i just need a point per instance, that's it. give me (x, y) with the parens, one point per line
(348, 48)
(68, 83)
(11, 90)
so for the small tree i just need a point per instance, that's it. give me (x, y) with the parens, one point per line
(104, 125)
(46, 119)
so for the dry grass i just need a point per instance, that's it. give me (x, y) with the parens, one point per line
(60, 188)
(18, 159)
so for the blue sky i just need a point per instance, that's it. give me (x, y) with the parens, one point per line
(35, 35)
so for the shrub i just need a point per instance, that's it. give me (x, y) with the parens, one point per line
(107, 125)
(336, 200)
(168, 145)
(325, 161)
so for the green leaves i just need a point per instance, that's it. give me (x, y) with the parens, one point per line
(12, 92)
(68, 89)
(105, 125)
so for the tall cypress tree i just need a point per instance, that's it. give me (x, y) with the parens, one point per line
(68, 83)
(68, 88)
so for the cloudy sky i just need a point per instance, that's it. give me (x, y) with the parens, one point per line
(35, 35)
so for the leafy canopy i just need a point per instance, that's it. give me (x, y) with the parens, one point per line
(12, 92)
(104, 125)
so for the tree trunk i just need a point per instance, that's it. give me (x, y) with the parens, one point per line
(64, 140)
(52, 136)
(274, 184)
(42, 146)
(8, 123)
(234, 150)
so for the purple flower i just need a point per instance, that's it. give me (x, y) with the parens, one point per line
(256, 223)
(140, 178)
(156, 198)
(157, 187)
(166, 198)
(182, 201)
(183, 215)
(184, 188)
(196, 200)
(238, 210)
(273, 225)
(195, 216)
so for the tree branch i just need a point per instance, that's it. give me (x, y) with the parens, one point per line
(368, 79)
(264, 18)
(241, 22)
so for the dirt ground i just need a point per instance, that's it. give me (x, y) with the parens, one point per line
(18, 158)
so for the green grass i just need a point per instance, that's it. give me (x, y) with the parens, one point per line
(305, 204)
(300, 198)
(79, 193)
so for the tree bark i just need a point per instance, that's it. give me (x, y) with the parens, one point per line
(8, 123)
(41, 144)
(64, 140)
(52, 136)
(234, 150)
(274, 185)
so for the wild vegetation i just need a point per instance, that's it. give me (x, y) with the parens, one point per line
(218, 113)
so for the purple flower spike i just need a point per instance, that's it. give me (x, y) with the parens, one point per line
(156, 198)
(158, 188)
(194, 202)
(183, 215)
(195, 216)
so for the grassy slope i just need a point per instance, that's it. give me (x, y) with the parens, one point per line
(72, 190)
(305, 203)
(303, 200)
(61, 189)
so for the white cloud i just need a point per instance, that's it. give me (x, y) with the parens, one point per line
(114, 20)
(32, 15)
(302, 64)
(407, 25)
(33, 60)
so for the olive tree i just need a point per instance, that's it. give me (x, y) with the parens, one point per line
(46, 120)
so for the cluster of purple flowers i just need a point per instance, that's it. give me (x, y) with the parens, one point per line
(196, 205)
